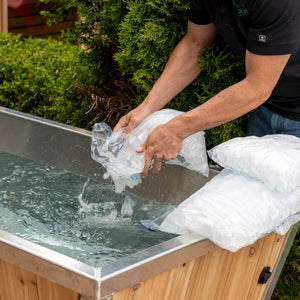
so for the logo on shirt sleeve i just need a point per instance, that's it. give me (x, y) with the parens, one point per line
(240, 10)
(262, 38)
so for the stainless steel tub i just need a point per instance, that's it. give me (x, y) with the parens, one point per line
(68, 148)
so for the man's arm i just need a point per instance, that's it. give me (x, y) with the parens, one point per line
(180, 70)
(263, 72)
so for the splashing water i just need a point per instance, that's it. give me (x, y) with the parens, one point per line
(73, 214)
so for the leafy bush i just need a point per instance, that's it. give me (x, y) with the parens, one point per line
(220, 69)
(96, 30)
(148, 34)
(44, 78)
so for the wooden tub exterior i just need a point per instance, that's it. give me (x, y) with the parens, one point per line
(218, 274)
(183, 268)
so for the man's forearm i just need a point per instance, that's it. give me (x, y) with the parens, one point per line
(181, 68)
(179, 72)
(263, 73)
(165, 142)
(226, 106)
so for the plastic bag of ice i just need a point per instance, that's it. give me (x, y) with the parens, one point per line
(124, 164)
(234, 211)
(272, 159)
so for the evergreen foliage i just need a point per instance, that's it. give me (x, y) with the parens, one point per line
(43, 77)
(148, 34)
(96, 30)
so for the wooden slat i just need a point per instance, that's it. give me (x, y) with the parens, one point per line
(27, 20)
(272, 247)
(215, 266)
(31, 9)
(3, 16)
(42, 29)
(242, 268)
(48, 290)
(217, 275)
(17, 22)
(18, 284)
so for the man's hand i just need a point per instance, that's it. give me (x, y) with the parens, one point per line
(133, 119)
(162, 144)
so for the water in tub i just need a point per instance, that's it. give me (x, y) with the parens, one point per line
(72, 214)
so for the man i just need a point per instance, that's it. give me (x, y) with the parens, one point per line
(267, 33)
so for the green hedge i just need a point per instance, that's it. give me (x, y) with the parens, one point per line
(148, 33)
(97, 30)
(44, 78)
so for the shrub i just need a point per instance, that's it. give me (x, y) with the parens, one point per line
(220, 69)
(148, 34)
(96, 30)
(57, 81)
(44, 78)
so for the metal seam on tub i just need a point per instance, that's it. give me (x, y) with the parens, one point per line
(43, 121)
(97, 273)
(25, 247)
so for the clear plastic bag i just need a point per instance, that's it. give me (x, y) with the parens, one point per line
(124, 164)
(105, 144)
(234, 211)
(153, 223)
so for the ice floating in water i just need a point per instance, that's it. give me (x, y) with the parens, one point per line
(127, 207)
(72, 214)
(121, 182)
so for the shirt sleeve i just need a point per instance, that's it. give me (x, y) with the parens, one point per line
(198, 14)
(274, 27)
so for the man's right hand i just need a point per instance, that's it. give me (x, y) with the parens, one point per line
(133, 119)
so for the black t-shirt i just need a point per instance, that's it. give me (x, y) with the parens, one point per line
(264, 27)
